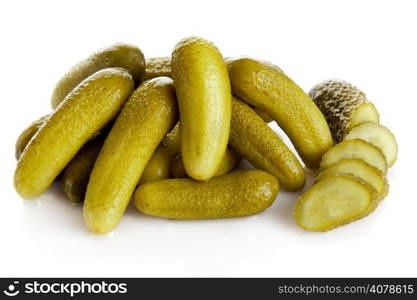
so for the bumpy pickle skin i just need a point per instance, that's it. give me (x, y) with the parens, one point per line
(159, 166)
(266, 87)
(146, 118)
(252, 138)
(84, 111)
(232, 195)
(161, 66)
(77, 173)
(267, 118)
(343, 105)
(120, 55)
(204, 98)
(27, 135)
(230, 160)
(158, 66)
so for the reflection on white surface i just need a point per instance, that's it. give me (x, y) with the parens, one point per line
(54, 227)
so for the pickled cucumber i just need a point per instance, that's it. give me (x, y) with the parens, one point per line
(161, 66)
(173, 140)
(27, 135)
(85, 110)
(230, 160)
(118, 55)
(267, 118)
(77, 173)
(159, 166)
(379, 136)
(158, 66)
(355, 148)
(252, 138)
(343, 105)
(334, 201)
(148, 115)
(358, 168)
(268, 88)
(204, 99)
(233, 195)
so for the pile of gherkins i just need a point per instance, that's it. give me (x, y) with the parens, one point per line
(170, 130)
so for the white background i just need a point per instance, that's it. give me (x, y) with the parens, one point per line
(369, 43)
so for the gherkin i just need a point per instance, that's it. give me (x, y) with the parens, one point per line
(238, 194)
(120, 55)
(265, 86)
(27, 134)
(159, 166)
(230, 160)
(86, 110)
(158, 66)
(146, 118)
(77, 173)
(205, 104)
(161, 66)
(255, 141)
(343, 105)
